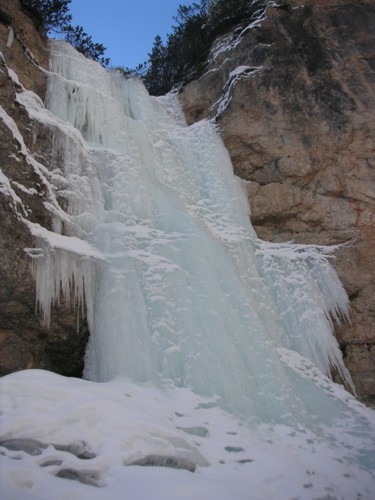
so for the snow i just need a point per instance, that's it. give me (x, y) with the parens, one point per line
(36, 110)
(239, 70)
(221, 54)
(7, 190)
(13, 75)
(209, 349)
(117, 423)
(11, 124)
(229, 42)
(26, 190)
(71, 244)
(234, 77)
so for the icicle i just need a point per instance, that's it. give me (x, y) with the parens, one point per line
(308, 295)
(64, 269)
(10, 37)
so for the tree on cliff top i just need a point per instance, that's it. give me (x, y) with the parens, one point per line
(185, 53)
(53, 14)
(54, 17)
(155, 77)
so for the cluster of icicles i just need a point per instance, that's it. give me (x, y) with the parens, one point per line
(155, 239)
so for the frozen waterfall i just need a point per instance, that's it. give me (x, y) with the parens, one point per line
(155, 238)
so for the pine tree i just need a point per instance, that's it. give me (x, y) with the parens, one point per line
(53, 14)
(188, 44)
(155, 78)
(54, 17)
(197, 25)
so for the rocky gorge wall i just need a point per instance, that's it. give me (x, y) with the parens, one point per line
(294, 98)
(26, 162)
(293, 95)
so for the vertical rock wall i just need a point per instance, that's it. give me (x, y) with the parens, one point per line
(25, 342)
(293, 94)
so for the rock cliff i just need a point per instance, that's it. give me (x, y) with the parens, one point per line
(293, 95)
(25, 161)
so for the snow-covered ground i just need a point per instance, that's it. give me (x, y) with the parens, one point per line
(48, 422)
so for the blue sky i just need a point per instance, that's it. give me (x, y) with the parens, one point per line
(126, 27)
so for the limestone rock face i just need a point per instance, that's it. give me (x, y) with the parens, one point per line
(293, 95)
(25, 342)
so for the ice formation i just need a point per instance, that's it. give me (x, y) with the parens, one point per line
(158, 242)
(212, 347)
